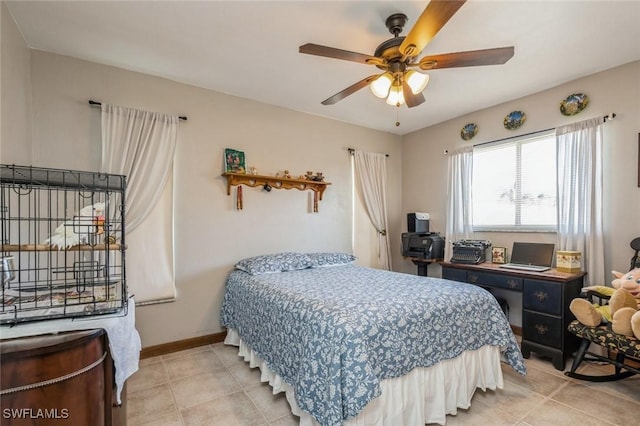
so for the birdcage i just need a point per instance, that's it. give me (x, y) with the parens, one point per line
(62, 244)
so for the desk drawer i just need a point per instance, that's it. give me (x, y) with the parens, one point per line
(543, 329)
(543, 296)
(495, 280)
(454, 274)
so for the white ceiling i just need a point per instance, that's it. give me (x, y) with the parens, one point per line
(250, 49)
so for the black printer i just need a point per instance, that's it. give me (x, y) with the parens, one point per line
(424, 245)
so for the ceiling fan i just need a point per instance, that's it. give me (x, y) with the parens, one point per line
(399, 82)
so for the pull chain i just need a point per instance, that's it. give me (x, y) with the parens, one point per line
(397, 119)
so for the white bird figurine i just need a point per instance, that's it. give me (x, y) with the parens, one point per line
(88, 221)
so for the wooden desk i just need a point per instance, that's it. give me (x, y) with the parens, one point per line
(545, 304)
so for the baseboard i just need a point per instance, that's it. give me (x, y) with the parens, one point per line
(194, 342)
(180, 345)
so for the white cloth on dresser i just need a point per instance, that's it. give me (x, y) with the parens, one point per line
(124, 340)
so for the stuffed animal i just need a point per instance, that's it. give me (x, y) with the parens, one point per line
(622, 311)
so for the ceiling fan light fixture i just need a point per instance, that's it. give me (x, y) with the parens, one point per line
(416, 81)
(396, 97)
(381, 85)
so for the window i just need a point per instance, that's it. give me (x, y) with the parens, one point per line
(514, 185)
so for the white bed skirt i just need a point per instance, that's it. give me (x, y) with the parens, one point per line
(425, 395)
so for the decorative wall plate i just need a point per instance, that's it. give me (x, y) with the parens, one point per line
(574, 103)
(514, 120)
(468, 131)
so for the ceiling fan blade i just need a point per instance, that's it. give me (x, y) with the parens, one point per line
(332, 52)
(471, 58)
(433, 18)
(349, 90)
(411, 99)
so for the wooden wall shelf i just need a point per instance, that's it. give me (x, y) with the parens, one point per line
(236, 179)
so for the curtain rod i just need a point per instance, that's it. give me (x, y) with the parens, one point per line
(352, 150)
(605, 118)
(94, 103)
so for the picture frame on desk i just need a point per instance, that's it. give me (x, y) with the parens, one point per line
(498, 255)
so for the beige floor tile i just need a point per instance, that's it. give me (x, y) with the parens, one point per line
(194, 390)
(628, 388)
(228, 354)
(212, 385)
(186, 352)
(150, 403)
(481, 414)
(171, 419)
(551, 413)
(536, 380)
(601, 405)
(511, 403)
(288, 420)
(230, 410)
(192, 364)
(148, 361)
(246, 376)
(270, 405)
(148, 375)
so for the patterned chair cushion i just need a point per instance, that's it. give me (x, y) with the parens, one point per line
(603, 335)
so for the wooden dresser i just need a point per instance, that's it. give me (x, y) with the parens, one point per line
(65, 378)
(545, 304)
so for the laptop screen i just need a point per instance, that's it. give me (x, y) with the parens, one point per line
(539, 254)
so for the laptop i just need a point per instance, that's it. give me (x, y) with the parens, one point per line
(535, 257)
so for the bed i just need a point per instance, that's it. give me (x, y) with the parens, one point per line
(353, 345)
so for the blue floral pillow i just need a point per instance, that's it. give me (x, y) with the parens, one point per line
(319, 260)
(272, 263)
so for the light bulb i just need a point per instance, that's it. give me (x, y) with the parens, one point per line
(396, 97)
(416, 81)
(380, 86)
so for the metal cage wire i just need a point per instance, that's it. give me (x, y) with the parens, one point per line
(62, 243)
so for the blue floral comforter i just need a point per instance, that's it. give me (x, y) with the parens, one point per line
(334, 333)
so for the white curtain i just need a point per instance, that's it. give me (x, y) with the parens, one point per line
(371, 177)
(140, 145)
(579, 156)
(459, 206)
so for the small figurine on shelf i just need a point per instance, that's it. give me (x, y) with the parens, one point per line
(309, 175)
(287, 175)
(318, 177)
(253, 170)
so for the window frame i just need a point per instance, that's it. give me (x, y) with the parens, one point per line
(518, 141)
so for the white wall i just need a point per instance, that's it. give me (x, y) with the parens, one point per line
(50, 124)
(15, 86)
(424, 165)
(210, 234)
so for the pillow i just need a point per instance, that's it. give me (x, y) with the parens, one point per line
(319, 260)
(272, 263)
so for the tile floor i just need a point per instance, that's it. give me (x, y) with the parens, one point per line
(211, 385)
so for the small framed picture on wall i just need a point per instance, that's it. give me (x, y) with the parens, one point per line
(234, 161)
(499, 255)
